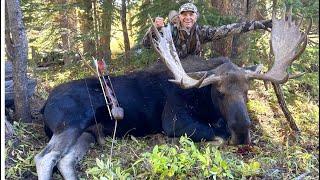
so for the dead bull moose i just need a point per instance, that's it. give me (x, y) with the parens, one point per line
(152, 104)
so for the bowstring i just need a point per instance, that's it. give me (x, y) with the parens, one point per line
(100, 76)
(91, 104)
(110, 114)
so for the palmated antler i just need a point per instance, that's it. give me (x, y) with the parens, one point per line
(164, 46)
(288, 43)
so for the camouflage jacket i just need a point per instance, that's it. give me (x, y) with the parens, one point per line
(189, 43)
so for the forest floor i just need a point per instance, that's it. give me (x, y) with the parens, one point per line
(276, 152)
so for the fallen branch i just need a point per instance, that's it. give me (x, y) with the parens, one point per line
(283, 105)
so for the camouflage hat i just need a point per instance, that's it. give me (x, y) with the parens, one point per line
(188, 7)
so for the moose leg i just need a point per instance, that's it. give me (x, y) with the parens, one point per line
(57, 147)
(67, 164)
(177, 121)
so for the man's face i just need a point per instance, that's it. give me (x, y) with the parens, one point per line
(159, 22)
(175, 20)
(187, 19)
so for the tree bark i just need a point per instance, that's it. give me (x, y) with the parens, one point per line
(17, 49)
(126, 41)
(86, 26)
(130, 29)
(107, 13)
(64, 26)
(283, 105)
(9, 130)
(222, 47)
(233, 46)
(96, 27)
(72, 26)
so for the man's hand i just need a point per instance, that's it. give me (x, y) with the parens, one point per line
(264, 24)
(267, 23)
(158, 22)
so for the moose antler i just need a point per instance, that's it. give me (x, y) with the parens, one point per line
(288, 43)
(164, 46)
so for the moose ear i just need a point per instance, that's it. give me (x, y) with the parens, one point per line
(255, 69)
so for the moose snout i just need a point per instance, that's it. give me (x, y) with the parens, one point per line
(240, 131)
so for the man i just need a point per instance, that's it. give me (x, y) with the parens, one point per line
(189, 36)
(158, 21)
(174, 18)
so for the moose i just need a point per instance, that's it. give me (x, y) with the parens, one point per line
(205, 99)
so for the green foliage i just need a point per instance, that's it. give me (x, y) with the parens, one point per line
(251, 169)
(210, 16)
(308, 63)
(309, 8)
(43, 31)
(106, 170)
(257, 51)
(306, 117)
(169, 161)
(188, 160)
(20, 151)
(139, 58)
(156, 8)
(257, 107)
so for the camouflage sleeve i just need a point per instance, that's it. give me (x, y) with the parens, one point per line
(209, 33)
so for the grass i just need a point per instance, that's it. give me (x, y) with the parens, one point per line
(276, 153)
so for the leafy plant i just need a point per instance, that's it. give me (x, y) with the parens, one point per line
(20, 152)
(180, 161)
(106, 170)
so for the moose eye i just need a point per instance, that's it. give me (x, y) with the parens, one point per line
(221, 95)
(222, 90)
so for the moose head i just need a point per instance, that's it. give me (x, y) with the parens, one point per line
(229, 82)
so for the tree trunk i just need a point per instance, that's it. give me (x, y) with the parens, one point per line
(130, 29)
(72, 26)
(17, 45)
(232, 46)
(86, 26)
(126, 41)
(64, 26)
(107, 13)
(96, 27)
(284, 108)
(9, 130)
(222, 47)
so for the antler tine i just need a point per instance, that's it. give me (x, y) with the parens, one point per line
(288, 43)
(304, 40)
(155, 30)
(164, 46)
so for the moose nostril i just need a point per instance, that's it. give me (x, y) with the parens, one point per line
(246, 139)
(240, 138)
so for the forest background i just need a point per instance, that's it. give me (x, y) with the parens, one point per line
(58, 30)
